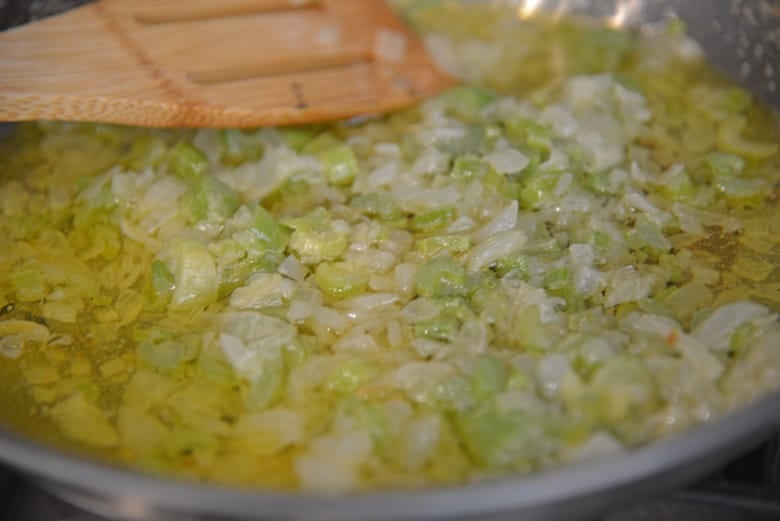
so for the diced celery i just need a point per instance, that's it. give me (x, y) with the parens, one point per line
(196, 276)
(443, 328)
(489, 377)
(466, 168)
(517, 265)
(440, 276)
(271, 234)
(598, 183)
(210, 199)
(537, 190)
(377, 205)
(340, 165)
(498, 440)
(558, 282)
(321, 143)
(161, 284)
(467, 102)
(721, 163)
(525, 131)
(187, 161)
(315, 239)
(742, 337)
(340, 280)
(600, 239)
(433, 220)
(438, 244)
(297, 137)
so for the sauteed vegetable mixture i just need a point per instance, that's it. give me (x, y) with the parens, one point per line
(572, 254)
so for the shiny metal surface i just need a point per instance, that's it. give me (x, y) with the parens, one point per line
(742, 37)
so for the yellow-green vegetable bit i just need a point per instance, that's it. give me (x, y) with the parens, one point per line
(573, 253)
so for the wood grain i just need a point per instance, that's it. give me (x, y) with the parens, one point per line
(235, 63)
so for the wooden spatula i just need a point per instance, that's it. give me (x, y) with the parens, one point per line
(214, 63)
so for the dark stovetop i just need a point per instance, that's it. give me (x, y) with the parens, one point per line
(748, 489)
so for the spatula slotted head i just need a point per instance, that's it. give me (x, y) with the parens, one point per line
(209, 63)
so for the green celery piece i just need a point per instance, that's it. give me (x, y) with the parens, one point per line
(340, 280)
(185, 160)
(674, 272)
(433, 220)
(537, 189)
(314, 239)
(441, 276)
(525, 131)
(159, 289)
(298, 137)
(600, 239)
(443, 328)
(234, 274)
(196, 277)
(723, 164)
(498, 440)
(557, 279)
(467, 168)
(210, 199)
(518, 265)
(238, 147)
(466, 102)
(321, 143)
(350, 375)
(438, 244)
(490, 377)
(377, 205)
(598, 183)
(340, 165)
(742, 338)
(271, 233)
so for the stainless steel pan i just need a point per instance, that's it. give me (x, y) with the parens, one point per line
(743, 38)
